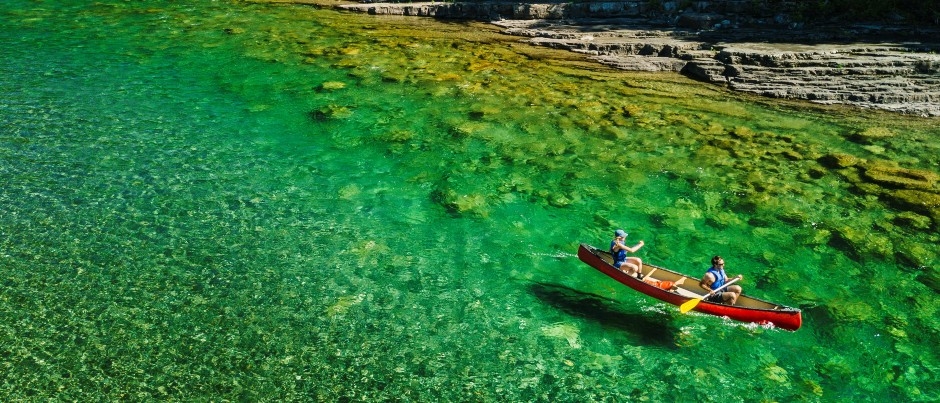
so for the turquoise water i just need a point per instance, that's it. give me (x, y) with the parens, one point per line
(234, 201)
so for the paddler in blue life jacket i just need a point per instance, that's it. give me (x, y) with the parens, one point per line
(631, 265)
(714, 278)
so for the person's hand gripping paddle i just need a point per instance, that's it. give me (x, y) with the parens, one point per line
(690, 304)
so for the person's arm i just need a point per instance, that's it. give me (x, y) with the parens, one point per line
(633, 249)
(618, 245)
(707, 280)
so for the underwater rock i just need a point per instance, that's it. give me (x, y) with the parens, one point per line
(761, 221)
(793, 216)
(620, 120)
(851, 311)
(332, 85)
(818, 237)
(871, 134)
(922, 202)
(931, 278)
(861, 188)
(725, 219)
(838, 367)
(600, 361)
(839, 160)
(318, 115)
(350, 51)
(816, 173)
(614, 133)
(742, 132)
(469, 128)
(478, 112)
(880, 245)
(723, 143)
(848, 239)
(632, 110)
(569, 333)
(559, 201)
(897, 333)
(473, 204)
(910, 219)
(350, 192)
(328, 112)
(915, 255)
(792, 155)
(858, 240)
(448, 77)
(399, 135)
(517, 183)
(899, 178)
(777, 374)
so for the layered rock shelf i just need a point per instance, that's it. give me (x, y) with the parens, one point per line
(851, 64)
(900, 77)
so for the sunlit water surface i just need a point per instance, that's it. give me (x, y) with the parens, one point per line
(235, 201)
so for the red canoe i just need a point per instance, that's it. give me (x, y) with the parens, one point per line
(747, 309)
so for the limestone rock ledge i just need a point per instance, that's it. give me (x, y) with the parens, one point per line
(902, 77)
(850, 65)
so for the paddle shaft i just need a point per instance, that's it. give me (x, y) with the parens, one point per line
(720, 288)
(690, 304)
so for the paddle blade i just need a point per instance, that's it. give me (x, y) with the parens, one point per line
(689, 305)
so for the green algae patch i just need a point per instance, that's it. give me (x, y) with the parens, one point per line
(848, 310)
(840, 160)
(461, 203)
(776, 374)
(332, 85)
(871, 134)
(350, 191)
(331, 111)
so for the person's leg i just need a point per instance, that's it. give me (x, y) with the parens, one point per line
(636, 264)
(731, 294)
(717, 298)
(622, 266)
(629, 268)
(736, 290)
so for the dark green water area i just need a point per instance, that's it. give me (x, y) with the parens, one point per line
(227, 201)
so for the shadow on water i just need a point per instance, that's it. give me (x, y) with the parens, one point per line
(605, 312)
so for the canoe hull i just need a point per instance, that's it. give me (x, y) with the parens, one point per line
(748, 309)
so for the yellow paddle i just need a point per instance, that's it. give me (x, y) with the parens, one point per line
(690, 304)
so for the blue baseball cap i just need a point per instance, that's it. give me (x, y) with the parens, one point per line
(620, 232)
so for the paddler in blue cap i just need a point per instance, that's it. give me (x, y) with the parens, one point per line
(631, 265)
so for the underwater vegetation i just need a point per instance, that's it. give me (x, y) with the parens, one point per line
(233, 201)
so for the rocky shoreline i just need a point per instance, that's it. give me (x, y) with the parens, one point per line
(893, 68)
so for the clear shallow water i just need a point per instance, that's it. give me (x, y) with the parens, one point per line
(236, 201)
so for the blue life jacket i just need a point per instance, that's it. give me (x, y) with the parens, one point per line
(720, 277)
(620, 256)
